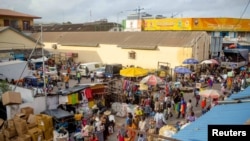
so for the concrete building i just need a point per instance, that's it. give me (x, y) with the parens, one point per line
(144, 49)
(17, 45)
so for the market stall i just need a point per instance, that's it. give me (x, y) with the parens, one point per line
(82, 98)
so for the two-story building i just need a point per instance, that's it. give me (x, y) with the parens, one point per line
(17, 20)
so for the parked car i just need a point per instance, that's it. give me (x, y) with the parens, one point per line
(100, 72)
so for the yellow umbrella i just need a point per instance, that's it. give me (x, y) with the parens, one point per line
(133, 72)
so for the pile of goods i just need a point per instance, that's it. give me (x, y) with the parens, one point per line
(167, 131)
(25, 126)
(121, 109)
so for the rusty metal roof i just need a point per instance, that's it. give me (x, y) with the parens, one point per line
(128, 40)
(11, 13)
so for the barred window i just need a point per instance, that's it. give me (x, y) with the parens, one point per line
(131, 55)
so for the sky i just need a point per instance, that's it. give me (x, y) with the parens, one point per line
(81, 11)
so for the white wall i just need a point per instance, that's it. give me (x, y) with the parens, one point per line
(37, 103)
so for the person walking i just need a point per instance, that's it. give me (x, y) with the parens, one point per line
(92, 76)
(78, 76)
(159, 120)
(66, 81)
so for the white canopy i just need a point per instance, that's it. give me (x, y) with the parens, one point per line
(39, 59)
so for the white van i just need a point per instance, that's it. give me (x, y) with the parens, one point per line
(86, 68)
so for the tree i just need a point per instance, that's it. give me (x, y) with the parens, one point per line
(4, 87)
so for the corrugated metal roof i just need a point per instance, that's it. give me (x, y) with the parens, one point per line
(135, 40)
(2, 64)
(228, 114)
(241, 95)
(11, 13)
(72, 90)
(3, 29)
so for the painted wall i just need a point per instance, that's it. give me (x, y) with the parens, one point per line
(27, 95)
(113, 54)
(133, 25)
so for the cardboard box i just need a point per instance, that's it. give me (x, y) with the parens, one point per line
(20, 116)
(31, 125)
(31, 122)
(11, 139)
(10, 132)
(49, 140)
(27, 111)
(1, 123)
(11, 97)
(44, 122)
(24, 137)
(2, 136)
(36, 134)
(48, 134)
(10, 123)
(31, 119)
(21, 126)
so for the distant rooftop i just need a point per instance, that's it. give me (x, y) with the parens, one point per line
(11, 13)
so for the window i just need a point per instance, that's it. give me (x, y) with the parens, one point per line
(14, 23)
(131, 55)
(26, 25)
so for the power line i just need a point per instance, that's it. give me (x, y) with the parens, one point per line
(245, 9)
(242, 14)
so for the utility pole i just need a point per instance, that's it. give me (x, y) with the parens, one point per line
(117, 24)
(138, 10)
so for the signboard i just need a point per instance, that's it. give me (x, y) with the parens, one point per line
(167, 24)
(221, 24)
(202, 24)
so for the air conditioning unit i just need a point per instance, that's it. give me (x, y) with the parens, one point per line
(54, 46)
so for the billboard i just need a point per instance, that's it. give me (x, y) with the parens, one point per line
(220, 24)
(202, 24)
(167, 24)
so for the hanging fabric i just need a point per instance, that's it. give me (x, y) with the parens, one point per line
(73, 99)
(88, 93)
(63, 99)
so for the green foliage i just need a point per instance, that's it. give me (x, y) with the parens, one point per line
(4, 87)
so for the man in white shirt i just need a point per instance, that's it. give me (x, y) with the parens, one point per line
(142, 124)
(160, 120)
